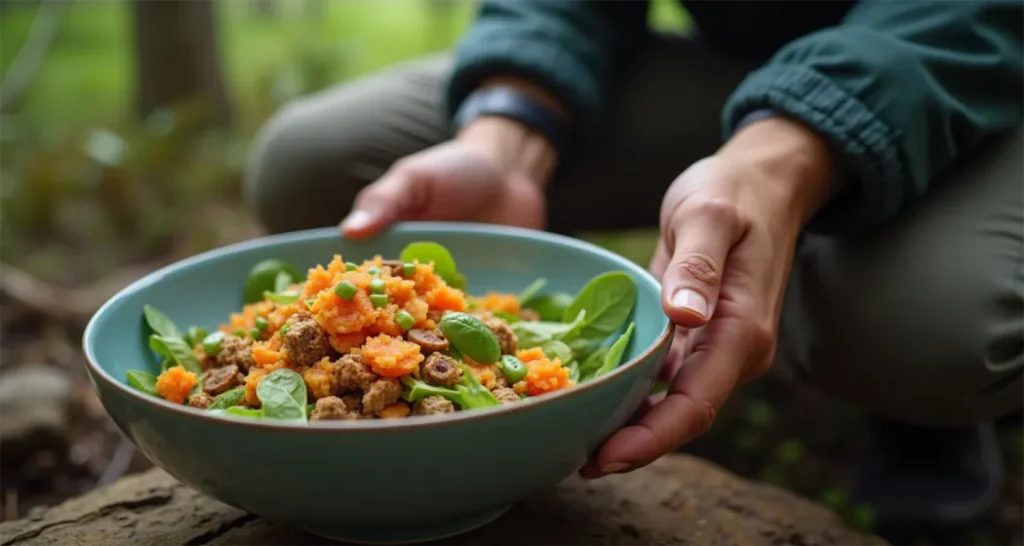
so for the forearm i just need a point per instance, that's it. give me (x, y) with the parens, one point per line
(901, 90)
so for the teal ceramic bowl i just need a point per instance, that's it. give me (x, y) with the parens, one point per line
(375, 481)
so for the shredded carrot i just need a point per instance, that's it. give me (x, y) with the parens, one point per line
(529, 355)
(175, 383)
(344, 343)
(520, 387)
(446, 298)
(264, 355)
(320, 379)
(499, 301)
(392, 356)
(339, 316)
(544, 375)
(394, 411)
(251, 380)
(385, 323)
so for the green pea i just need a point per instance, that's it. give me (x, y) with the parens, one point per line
(379, 300)
(471, 337)
(405, 320)
(373, 271)
(255, 333)
(377, 286)
(345, 290)
(239, 332)
(409, 269)
(195, 335)
(513, 368)
(349, 266)
(212, 343)
(262, 324)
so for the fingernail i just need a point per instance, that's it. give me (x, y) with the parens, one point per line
(612, 468)
(689, 299)
(356, 221)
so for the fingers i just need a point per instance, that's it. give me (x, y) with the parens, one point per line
(698, 391)
(703, 237)
(395, 197)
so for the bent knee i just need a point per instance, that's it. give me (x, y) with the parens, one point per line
(295, 178)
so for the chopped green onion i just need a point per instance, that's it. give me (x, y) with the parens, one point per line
(345, 290)
(379, 300)
(349, 266)
(409, 269)
(262, 323)
(377, 286)
(404, 319)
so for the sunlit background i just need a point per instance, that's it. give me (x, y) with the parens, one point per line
(105, 175)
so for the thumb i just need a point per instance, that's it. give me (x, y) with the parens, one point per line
(396, 196)
(692, 280)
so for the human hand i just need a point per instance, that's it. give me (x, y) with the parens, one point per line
(494, 171)
(729, 226)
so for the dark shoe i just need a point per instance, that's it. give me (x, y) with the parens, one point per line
(919, 477)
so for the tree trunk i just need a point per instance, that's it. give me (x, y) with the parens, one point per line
(178, 61)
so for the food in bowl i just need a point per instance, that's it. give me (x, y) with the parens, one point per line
(387, 338)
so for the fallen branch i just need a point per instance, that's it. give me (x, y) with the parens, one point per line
(72, 305)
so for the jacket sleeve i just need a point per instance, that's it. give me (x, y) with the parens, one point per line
(901, 89)
(570, 48)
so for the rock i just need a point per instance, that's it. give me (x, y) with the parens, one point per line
(153, 508)
(34, 400)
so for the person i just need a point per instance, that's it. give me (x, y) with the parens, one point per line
(838, 187)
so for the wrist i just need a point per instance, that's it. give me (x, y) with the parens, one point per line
(794, 167)
(513, 146)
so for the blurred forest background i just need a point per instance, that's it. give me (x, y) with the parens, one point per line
(123, 135)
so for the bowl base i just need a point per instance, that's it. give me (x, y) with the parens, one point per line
(405, 535)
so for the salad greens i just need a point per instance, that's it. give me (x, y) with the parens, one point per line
(589, 333)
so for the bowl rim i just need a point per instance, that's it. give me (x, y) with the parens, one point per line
(369, 425)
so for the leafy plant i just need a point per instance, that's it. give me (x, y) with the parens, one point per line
(282, 395)
(143, 381)
(471, 337)
(430, 252)
(608, 299)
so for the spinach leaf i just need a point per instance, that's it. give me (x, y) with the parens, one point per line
(536, 333)
(228, 399)
(283, 395)
(143, 381)
(614, 355)
(574, 371)
(609, 299)
(532, 290)
(177, 350)
(309, 410)
(507, 317)
(556, 349)
(166, 365)
(583, 348)
(263, 277)
(239, 411)
(444, 264)
(159, 322)
(592, 363)
(550, 307)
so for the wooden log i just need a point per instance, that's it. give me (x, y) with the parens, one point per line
(677, 500)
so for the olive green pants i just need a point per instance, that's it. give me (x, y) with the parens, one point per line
(921, 322)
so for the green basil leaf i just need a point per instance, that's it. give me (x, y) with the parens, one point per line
(160, 323)
(471, 337)
(614, 355)
(177, 350)
(264, 276)
(608, 299)
(282, 394)
(444, 264)
(142, 381)
(532, 290)
(228, 399)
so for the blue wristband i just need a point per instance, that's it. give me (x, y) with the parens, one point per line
(512, 103)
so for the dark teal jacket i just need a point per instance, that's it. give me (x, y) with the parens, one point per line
(903, 88)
